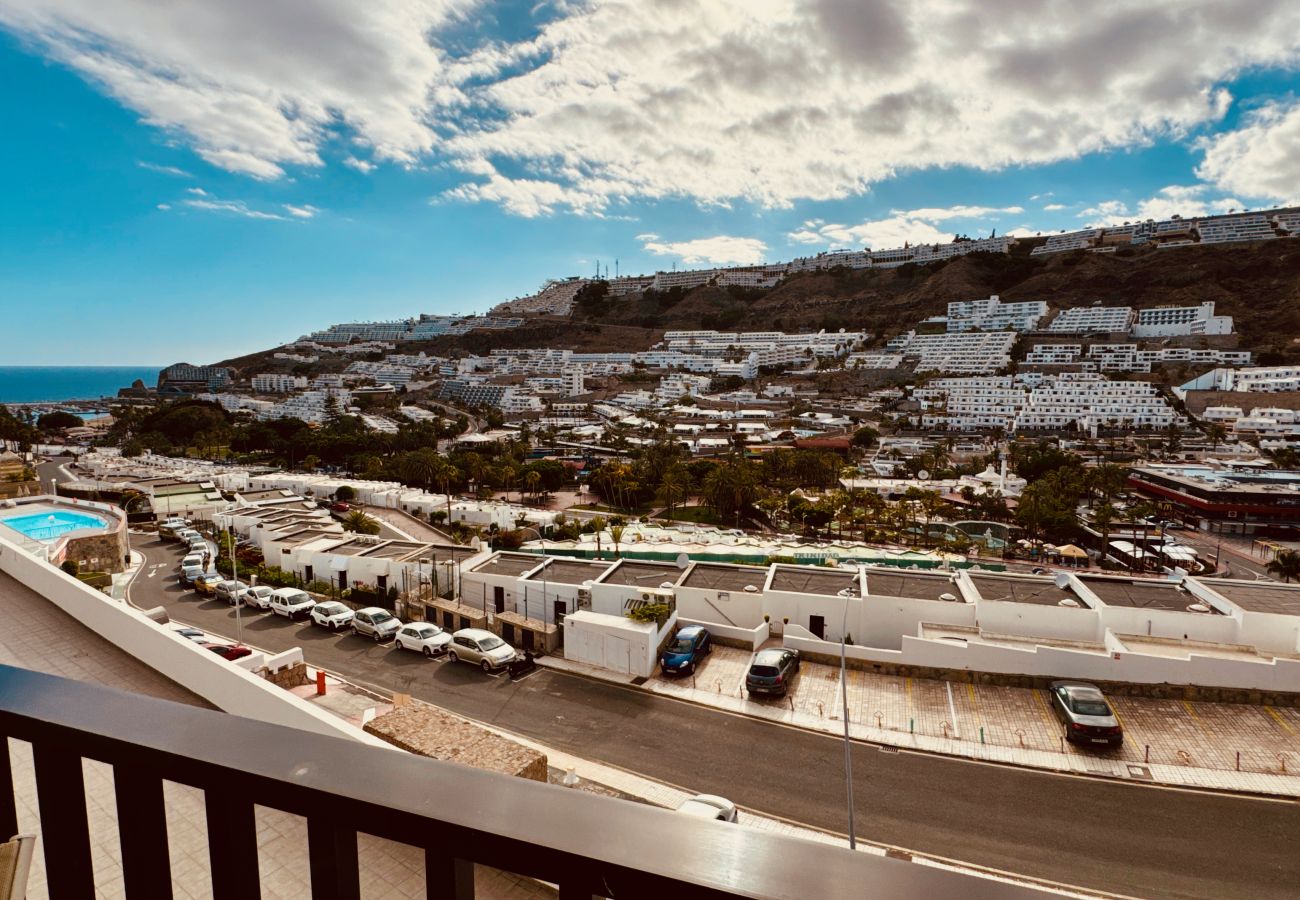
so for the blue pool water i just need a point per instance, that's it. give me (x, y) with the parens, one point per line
(47, 526)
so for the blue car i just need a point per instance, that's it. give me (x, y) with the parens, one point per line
(688, 646)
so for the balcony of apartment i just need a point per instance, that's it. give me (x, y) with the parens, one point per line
(466, 828)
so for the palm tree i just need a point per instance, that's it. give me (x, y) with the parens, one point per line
(673, 487)
(597, 527)
(1285, 564)
(533, 480)
(361, 523)
(616, 532)
(1102, 518)
(446, 475)
(1216, 434)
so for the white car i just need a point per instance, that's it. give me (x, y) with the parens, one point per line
(375, 622)
(291, 603)
(259, 596)
(423, 637)
(710, 806)
(482, 648)
(332, 615)
(193, 559)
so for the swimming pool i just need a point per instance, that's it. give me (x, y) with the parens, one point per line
(47, 526)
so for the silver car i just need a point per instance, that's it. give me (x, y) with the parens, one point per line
(229, 591)
(375, 622)
(474, 645)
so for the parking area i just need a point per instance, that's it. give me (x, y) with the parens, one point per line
(1168, 732)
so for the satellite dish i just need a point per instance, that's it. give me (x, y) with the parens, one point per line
(683, 560)
(1062, 580)
(949, 598)
(1198, 608)
(665, 585)
(751, 589)
(1068, 601)
(923, 475)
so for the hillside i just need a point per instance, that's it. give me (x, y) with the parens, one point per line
(1258, 284)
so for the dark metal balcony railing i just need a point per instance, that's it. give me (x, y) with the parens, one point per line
(590, 846)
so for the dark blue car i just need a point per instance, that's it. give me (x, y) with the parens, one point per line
(685, 651)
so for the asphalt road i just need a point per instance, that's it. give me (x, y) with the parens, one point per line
(1130, 839)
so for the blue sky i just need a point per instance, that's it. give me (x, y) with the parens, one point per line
(220, 178)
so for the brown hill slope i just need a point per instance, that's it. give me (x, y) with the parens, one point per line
(1258, 284)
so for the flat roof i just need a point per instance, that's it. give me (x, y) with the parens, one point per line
(1261, 597)
(812, 580)
(1143, 594)
(1024, 589)
(513, 564)
(918, 586)
(395, 549)
(642, 574)
(570, 571)
(724, 577)
(352, 547)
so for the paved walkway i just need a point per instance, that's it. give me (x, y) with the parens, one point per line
(1172, 742)
(408, 525)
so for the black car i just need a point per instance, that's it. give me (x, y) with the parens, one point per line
(771, 671)
(1085, 715)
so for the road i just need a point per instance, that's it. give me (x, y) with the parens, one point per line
(1130, 839)
(1239, 565)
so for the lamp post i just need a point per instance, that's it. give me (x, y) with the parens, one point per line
(844, 700)
(234, 574)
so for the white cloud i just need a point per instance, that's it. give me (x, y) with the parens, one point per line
(1054, 207)
(781, 100)
(363, 166)
(771, 101)
(306, 211)
(806, 236)
(1259, 159)
(196, 191)
(719, 249)
(903, 226)
(164, 206)
(1173, 200)
(648, 236)
(232, 207)
(164, 170)
(255, 86)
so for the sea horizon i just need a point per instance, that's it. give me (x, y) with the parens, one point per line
(61, 384)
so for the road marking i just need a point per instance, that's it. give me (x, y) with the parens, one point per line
(1044, 710)
(1192, 712)
(952, 711)
(1277, 717)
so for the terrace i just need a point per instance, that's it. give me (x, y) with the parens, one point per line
(1164, 595)
(569, 571)
(509, 564)
(641, 574)
(1013, 589)
(722, 577)
(810, 580)
(1261, 597)
(919, 587)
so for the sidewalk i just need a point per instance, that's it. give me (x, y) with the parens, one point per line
(408, 525)
(962, 745)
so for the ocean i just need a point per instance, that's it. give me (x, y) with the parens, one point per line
(52, 384)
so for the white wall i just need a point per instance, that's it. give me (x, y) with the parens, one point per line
(885, 620)
(614, 642)
(733, 608)
(750, 637)
(1052, 662)
(227, 687)
(1036, 620)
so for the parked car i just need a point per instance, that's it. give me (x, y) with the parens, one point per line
(688, 647)
(188, 575)
(332, 615)
(169, 528)
(191, 559)
(229, 591)
(206, 584)
(292, 603)
(340, 507)
(375, 622)
(483, 648)
(423, 637)
(194, 634)
(1085, 715)
(710, 806)
(259, 596)
(771, 671)
(185, 534)
(228, 651)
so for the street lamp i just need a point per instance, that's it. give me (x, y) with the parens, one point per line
(234, 574)
(847, 593)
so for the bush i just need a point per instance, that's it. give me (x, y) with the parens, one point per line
(657, 613)
(70, 566)
(320, 587)
(345, 493)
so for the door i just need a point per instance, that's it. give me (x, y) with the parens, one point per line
(817, 625)
(448, 621)
(499, 598)
(527, 636)
(381, 582)
(343, 581)
(464, 622)
(306, 574)
(508, 632)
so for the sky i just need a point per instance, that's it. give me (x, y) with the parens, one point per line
(195, 180)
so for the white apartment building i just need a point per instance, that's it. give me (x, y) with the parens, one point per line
(685, 279)
(1074, 399)
(237, 402)
(1072, 240)
(972, 353)
(831, 259)
(873, 359)
(1168, 321)
(925, 253)
(1226, 229)
(310, 406)
(991, 314)
(1087, 319)
(273, 383)
(555, 298)
(328, 382)
(1054, 355)
(630, 284)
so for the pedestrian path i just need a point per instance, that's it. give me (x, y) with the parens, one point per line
(944, 719)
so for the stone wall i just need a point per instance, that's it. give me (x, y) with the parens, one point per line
(288, 677)
(99, 553)
(428, 731)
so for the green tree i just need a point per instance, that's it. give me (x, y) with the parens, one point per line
(361, 523)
